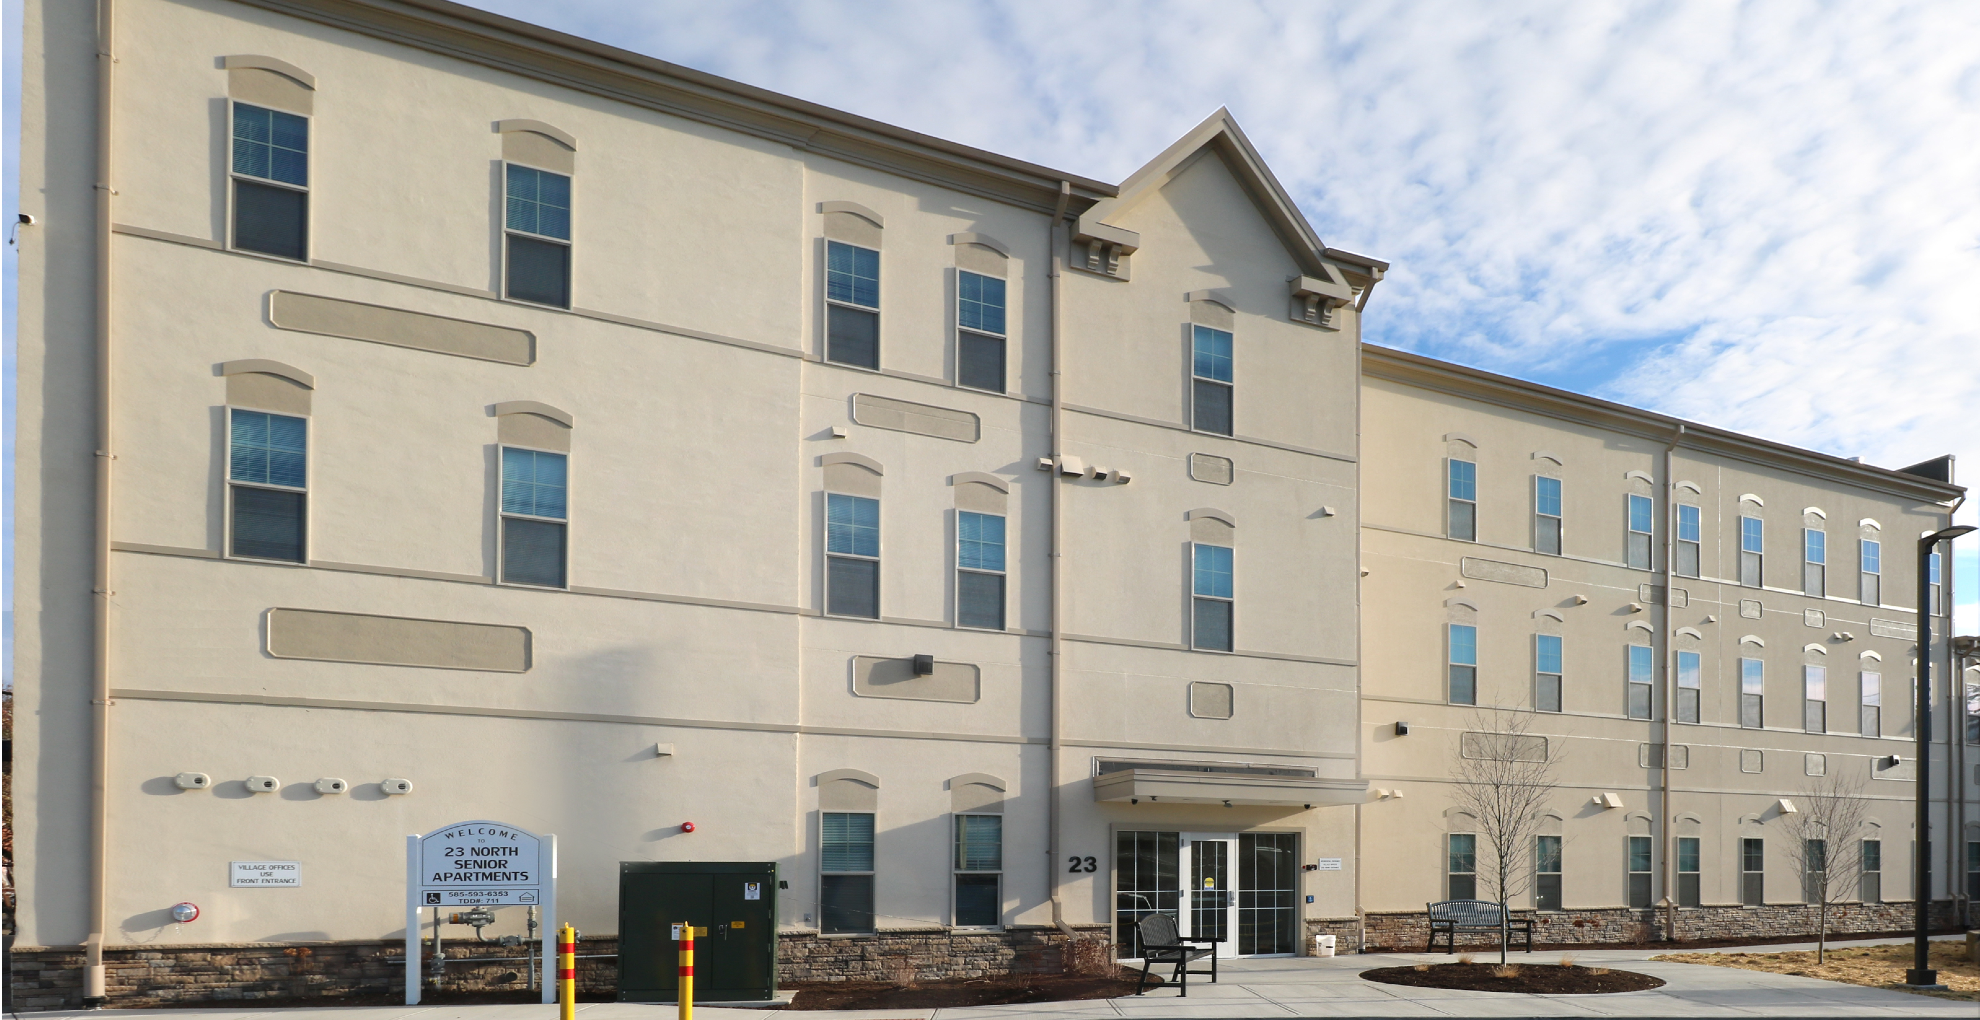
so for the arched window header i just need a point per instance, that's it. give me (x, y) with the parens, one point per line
(558, 135)
(1211, 513)
(981, 478)
(854, 208)
(1218, 296)
(241, 61)
(852, 458)
(1747, 497)
(541, 410)
(972, 237)
(266, 367)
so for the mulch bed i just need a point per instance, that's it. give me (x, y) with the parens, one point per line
(1675, 947)
(982, 992)
(1545, 979)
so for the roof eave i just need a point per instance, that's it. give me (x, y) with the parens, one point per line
(1402, 366)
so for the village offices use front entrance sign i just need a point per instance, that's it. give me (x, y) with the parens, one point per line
(480, 864)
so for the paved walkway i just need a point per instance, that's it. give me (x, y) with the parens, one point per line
(1284, 988)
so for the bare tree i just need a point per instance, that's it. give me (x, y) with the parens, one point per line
(1826, 833)
(1503, 776)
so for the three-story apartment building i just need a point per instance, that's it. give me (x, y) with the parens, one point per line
(425, 416)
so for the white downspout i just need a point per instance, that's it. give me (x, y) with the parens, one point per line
(99, 844)
(1666, 824)
(1052, 854)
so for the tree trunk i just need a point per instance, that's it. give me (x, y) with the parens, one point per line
(1822, 932)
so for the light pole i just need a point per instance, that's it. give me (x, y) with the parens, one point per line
(1921, 972)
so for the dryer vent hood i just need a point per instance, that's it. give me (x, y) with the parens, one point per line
(1170, 786)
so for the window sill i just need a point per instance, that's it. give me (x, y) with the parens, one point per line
(266, 257)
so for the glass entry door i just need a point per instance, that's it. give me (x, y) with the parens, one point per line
(1209, 892)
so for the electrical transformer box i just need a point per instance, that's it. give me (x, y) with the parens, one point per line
(735, 957)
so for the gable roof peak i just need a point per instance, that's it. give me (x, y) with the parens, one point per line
(1220, 133)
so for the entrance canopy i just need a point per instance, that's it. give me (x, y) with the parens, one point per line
(1172, 786)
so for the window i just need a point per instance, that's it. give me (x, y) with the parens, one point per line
(1463, 664)
(1547, 672)
(1973, 713)
(271, 182)
(1211, 368)
(1814, 563)
(1640, 510)
(1688, 891)
(1213, 600)
(1146, 881)
(1547, 877)
(980, 332)
(1870, 586)
(1870, 714)
(852, 555)
(1687, 541)
(1973, 870)
(1752, 872)
(1815, 880)
(1461, 865)
(1752, 544)
(1752, 687)
(1933, 587)
(1547, 515)
(845, 865)
(979, 867)
(1464, 500)
(1639, 871)
(1815, 699)
(533, 517)
(267, 458)
(852, 305)
(1268, 903)
(1642, 671)
(980, 570)
(538, 235)
(1873, 871)
(1688, 687)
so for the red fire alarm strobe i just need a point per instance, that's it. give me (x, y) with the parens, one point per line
(687, 826)
(183, 912)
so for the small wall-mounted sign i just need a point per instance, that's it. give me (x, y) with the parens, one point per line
(1329, 864)
(264, 875)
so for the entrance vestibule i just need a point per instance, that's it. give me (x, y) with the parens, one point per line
(1242, 887)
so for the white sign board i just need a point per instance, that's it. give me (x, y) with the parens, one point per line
(1330, 864)
(264, 875)
(480, 864)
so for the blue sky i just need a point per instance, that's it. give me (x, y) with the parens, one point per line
(1761, 215)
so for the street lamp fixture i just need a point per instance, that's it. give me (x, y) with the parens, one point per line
(1921, 972)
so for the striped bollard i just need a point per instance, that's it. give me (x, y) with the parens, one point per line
(567, 971)
(687, 972)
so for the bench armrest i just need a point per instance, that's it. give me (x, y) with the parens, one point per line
(1201, 938)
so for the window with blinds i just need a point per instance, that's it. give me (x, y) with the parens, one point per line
(979, 570)
(537, 231)
(845, 866)
(267, 474)
(270, 182)
(852, 305)
(534, 517)
(852, 555)
(978, 871)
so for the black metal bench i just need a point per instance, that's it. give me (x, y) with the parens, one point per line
(1449, 917)
(1161, 944)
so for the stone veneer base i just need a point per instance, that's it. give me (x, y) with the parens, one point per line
(1781, 922)
(45, 978)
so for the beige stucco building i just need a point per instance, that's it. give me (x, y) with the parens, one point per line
(598, 446)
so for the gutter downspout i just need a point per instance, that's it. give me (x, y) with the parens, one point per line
(1052, 854)
(1666, 635)
(99, 845)
(1956, 775)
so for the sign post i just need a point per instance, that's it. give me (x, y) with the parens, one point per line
(480, 864)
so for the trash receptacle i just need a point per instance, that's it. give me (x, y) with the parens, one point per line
(1323, 945)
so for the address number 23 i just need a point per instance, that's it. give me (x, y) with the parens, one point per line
(1083, 864)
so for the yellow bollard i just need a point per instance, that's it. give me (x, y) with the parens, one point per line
(686, 994)
(567, 971)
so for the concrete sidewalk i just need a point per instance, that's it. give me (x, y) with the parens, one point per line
(1297, 987)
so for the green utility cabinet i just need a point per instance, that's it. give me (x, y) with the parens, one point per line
(736, 961)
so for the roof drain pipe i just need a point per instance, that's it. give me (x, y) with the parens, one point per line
(1667, 632)
(1059, 240)
(99, 844)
